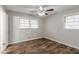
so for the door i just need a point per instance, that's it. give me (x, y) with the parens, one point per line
(3, 29)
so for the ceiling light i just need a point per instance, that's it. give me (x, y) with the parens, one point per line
(41, 8)
(41, 11)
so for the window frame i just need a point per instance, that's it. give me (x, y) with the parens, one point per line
(71, 14)
(23, 23)
(29, 22)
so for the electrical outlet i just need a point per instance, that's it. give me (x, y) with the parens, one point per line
(3, 43)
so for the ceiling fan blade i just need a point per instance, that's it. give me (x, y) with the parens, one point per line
(50, 10)
(33, 10)
(46, 13)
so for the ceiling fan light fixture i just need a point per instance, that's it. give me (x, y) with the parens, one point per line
(41, 13)
(41, 8)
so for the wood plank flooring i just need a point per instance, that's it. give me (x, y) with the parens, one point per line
(40, 46)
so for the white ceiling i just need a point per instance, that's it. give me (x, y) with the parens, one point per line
(27, 8)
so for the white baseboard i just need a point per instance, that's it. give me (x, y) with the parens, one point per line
(63, 43)
(24, 40)
(2, 51)
(49, 39)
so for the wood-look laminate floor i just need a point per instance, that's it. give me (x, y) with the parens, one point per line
(40, 46)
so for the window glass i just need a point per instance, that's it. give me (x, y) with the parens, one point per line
(26, 23)
(72, 22)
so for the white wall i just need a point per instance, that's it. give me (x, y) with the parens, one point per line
(3, 29)
(19, 35)
(51, 27)
(54, 29)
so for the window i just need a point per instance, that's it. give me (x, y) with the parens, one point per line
(24, 23)
(72, 22)
(33, 24)
(27, 23)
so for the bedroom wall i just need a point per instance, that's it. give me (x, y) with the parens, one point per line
(54, 29)
(18, 35)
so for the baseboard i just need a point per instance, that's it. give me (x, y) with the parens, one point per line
(63, 43)
(2, 52)
(47, 38)
(25, 40)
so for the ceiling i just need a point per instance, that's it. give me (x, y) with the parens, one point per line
(28, 8)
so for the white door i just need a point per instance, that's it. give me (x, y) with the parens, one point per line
(3, 29)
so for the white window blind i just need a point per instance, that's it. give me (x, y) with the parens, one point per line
(72, 22)
(24, 23)
(27, 23)
(33, 24)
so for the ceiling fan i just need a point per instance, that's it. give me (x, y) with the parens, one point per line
(42, 11)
